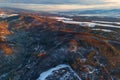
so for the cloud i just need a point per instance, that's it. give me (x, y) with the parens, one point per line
(54, 5)
(112, 1)
(3, 1)
(81, 2)
(58, 7)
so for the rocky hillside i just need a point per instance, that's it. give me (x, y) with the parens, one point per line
(35, 47)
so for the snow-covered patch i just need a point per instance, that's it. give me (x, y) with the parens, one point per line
(62, 18)
(90, 69)
(4, 15)
(88, 24)
(45, 74)
(105, 30)
(107, 25)
(106, 22)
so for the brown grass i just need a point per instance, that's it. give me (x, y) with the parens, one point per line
(4, 32)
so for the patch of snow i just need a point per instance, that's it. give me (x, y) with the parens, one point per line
(62, 18)
(107, 25)
(105, 30)
(106, 22)
(65, 76)
(4, 15)
(89, 24)
(90, 69)
(45, 74)
(91, 72)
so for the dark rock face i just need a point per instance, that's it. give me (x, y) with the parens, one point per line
(31, 46)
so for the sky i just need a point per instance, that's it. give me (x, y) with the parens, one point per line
(55, 1)
(55, 5)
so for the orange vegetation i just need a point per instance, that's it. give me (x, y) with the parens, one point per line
(73, 45)
(41, 54)
(3, 28)
(73, 42)
(6, 49)
(105, 49)
(4, 32)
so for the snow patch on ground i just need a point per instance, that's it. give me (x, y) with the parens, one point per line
(105, 30)
(62, 18)
(89, 24)
(45, 74)
(106, 22)
(107, 25)
(3, 15)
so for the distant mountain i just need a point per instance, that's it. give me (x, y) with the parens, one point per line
(94, 12)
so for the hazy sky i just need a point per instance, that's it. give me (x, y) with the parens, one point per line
(60, 4)
(61, 1)
(56, 1)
